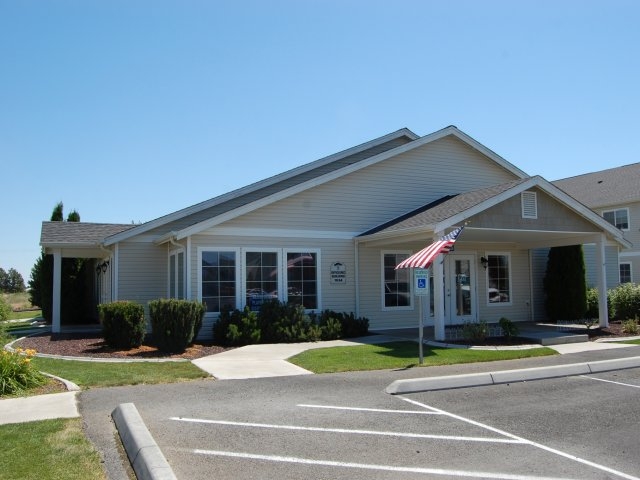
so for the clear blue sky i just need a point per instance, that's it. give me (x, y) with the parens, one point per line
(129, 110)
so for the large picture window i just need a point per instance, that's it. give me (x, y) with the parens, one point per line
(619, 218)
(396, 288)
(498, 279)
(219, 282)
(302, 279)
(261, 278)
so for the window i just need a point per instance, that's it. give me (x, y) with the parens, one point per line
(218, 277)
(498, 279)
(302, 279)
(396, 289)
(529, 205)
(176, 275)
(618, 218)
(625, 273)
(261, 278)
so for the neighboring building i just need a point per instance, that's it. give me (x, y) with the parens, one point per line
(615, 195)
(328, 235)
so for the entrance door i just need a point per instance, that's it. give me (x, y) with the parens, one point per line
(460, 288)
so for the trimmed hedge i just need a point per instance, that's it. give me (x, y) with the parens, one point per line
(175, 323)
(123, 324)
(625, 301)
(278, 322)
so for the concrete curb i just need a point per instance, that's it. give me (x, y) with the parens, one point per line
(413, 385)
(145, 456)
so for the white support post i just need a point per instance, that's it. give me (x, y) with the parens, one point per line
(56, 294)
(602, 282)
(438, 299)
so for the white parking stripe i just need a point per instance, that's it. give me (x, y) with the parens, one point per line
(356, 432)
(610, 381)
(364, 466)
(377, 410)
(524, 440)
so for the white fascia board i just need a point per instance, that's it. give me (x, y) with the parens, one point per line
(158, 222)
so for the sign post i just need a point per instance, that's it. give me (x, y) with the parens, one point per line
(421, 289)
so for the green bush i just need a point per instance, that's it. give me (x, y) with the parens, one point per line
(235, 327)
(630, 326)
(564, 283)
(330, 326)
(350, 326)
(625, 301)
(509, 329)
(175, 323)
(286, 323)
(17, 374)
(123, 324)
(475, 332)
(5, 310)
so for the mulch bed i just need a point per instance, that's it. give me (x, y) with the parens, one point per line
(93, 345)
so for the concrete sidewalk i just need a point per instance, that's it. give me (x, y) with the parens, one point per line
(39, 407)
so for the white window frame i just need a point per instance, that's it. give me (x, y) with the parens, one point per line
(243, 279)
(383, 307)
(615, 210)
(630, 272)
(173, 261)
(529, 201)
(215, 248)
(285, 278)
(486, 279)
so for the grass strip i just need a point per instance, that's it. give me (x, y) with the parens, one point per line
(48, 450)
(396, 355)
(102, 374)
(632, 342)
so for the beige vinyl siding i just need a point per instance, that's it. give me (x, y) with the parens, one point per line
(142, 272)
(381, 192)
(339, 297)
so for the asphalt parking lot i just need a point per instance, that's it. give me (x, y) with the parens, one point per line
(345, 426)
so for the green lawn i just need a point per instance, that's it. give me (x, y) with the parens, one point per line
(633, 342)
(48, 450)
(102, 374)
(396, 355)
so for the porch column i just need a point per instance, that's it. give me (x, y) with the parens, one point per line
(601, 272)
(57, 275)
(438, 299)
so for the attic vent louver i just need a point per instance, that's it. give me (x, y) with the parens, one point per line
(529, 205)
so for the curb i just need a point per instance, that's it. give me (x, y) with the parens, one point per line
(508, 376)
(145, 456)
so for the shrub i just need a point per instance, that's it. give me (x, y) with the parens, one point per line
(175, 323)
(350, 326)
(475, 331)
(630, 326)
(5, 310)
(122, 324)
(625, 300)
(17, 374)
(564, 283)
(509, 329)
(235, 327)
(330, 326)
(286, 323)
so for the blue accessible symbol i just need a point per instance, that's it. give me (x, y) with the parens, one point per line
(422, 283)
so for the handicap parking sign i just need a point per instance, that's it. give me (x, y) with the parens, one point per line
(421, 283)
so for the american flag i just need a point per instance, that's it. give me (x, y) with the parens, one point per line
(425, 257)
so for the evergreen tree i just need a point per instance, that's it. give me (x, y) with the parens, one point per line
(564, 283)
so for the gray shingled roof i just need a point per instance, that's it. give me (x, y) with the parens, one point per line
(607, 187)
(444, 208)
(78, 233)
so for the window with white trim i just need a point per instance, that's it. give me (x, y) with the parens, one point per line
(625, 272)
(618, 218)
(302, 279)
(218, 273)
(529, 204)
(396, 284)
(261, 278)
(498, 278)
(176, 274)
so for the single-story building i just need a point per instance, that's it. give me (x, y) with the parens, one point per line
(328, 235)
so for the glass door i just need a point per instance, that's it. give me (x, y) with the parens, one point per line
(460, 288)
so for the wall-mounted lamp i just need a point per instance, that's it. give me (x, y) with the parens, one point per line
(102, 267)
(485, 262)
